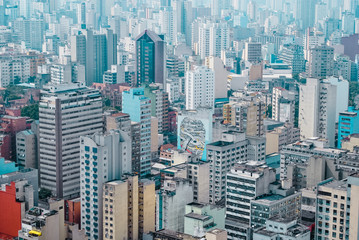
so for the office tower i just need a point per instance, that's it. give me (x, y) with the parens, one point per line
(336, 201)
(241, 188)
(150, 58)
(159, 105)
(348, 124)
(321, 61)
(295, 159)
(213, 37)
(319, 105)
(168, 24)
(104, 157)
(304, 13)
(293, 55)
(27, 149)
(252, 52)
(222, 155)
(66, 112)
(281, 136)
(96, 51)
(283, 105)
(175, 66)
(312, 39)
(128, 208)
(138, 107)
(171, 201)
(199, 88)
(30, 31)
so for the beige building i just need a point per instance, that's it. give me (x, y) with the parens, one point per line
(281, 136)
(350, 142)
(338, 207)
(216, 234)
(128, 208)
(248, 116)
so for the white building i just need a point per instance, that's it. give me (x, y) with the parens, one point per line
(168, 24)
(319, 105)
(252, 52)
(220, 76)
(171, 202)
(13, 69)
(244, 183)
(66, 112)
(283, 105)
(212, 38)
(222, 155)
(199, 88)
(104, 157)
(61, 74)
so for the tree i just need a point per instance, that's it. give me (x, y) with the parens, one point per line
(44, 193)
(31, 111)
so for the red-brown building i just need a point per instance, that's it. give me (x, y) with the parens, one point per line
(172, 119)
(10, 125)
(10, 211)
(113, 92)
(73, 211)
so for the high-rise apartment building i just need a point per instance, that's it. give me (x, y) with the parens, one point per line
(336, 217)
(294, 56)
(128, 208)
(252, 52)
(320, 61)
(168, 24)
(104, 157)
(213, 37)
(171, 201)
(30, 31)
(222, 156)
(243, 184)
(66, 112)
(319, 105)
(247, 115)
(138, 107)
(283, 105)
(159, 105)
(199, 88)
(150, 58)
(281, 136)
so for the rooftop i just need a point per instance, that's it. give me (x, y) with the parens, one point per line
(220, 144)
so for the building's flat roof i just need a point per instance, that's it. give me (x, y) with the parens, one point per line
(197, 216)
(220, 143)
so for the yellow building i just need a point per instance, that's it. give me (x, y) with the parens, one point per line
(128, 208)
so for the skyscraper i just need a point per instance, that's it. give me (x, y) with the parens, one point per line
(199, 88)
(321, 61)
(66, 112)
(150, 58)
(104, 157)
(96, 51)
(139, 108)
